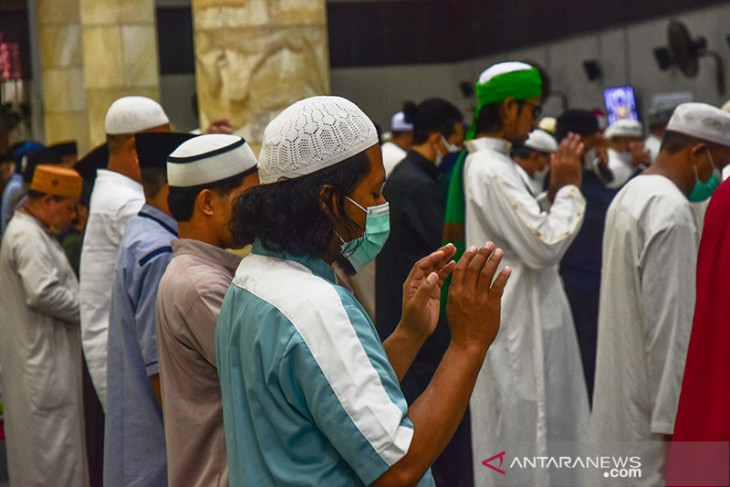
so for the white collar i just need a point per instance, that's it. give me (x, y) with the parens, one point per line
(500, 145)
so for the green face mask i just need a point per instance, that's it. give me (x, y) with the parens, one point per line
(702, 191)
(362, 250)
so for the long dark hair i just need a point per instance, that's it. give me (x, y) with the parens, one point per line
(288, 216)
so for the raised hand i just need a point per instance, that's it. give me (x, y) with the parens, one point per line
(475, 297)
(566, 164)
(422, 290)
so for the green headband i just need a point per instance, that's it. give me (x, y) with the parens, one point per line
(521, 84)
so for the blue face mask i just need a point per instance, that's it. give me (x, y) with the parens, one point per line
(362, 250)
(702, 191)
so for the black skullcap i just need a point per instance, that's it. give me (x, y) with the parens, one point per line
(37, 157)
(581, 122)
(64, 149)
(154, 147)
(96, 158)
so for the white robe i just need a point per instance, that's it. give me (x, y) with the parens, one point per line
(392, 155)
(40, 352)
(531, 389)
(644, 320)
(115, 199)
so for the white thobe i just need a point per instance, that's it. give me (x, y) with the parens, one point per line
(40, 352)
(644, 320)
(530, 390)
(392, 155)
(114, 200)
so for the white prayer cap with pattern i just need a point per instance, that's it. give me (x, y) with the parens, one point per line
(398, 123)
(209, 158)
(313, 134)
(541, 141)
(132, 114)
(702, 121)
(624, 128)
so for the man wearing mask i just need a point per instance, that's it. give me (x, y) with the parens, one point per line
(417, 207)
(310, 394)
(626, 153)
(533, 380)
(533, 160)
(648, 288)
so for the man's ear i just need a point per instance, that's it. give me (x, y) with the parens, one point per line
(328, 200)
(509, 108)
(48, 201)
(698, 151)
(130, 146)
(205, 203)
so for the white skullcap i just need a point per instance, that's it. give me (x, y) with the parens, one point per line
(702, 121)
(624, 128)
(132, 114)
(313, 134)
(726, 106)
(502, 68)
(548, 124)
(208, 159)
(398, 123)
(542, 141)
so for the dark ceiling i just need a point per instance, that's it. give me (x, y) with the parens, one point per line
(398, 32)
(430, 31)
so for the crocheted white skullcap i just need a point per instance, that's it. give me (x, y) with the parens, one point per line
(208, 159)
(313, 134)
(132, 114)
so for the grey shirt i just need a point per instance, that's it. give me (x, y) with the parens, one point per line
(188, 303)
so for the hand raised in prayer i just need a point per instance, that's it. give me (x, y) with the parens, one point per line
(422, 290)
(474, 303)
(566, 164)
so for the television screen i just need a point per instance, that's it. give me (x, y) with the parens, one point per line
(620, 103)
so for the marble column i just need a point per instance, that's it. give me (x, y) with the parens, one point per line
(64, 99)
(119, 40)
(253, 58)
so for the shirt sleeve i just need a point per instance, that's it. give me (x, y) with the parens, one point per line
(147, 284)
(668, 272)
(539, 238)
(343, 381)
(44, 291)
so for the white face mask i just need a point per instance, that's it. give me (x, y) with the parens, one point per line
(450, 147)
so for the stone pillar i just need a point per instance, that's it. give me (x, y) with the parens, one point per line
(59, 32)
(253, 58)
(119, 39)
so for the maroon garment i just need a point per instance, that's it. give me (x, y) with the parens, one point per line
(704, 403)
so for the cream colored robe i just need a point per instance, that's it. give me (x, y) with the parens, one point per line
(40, 353)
